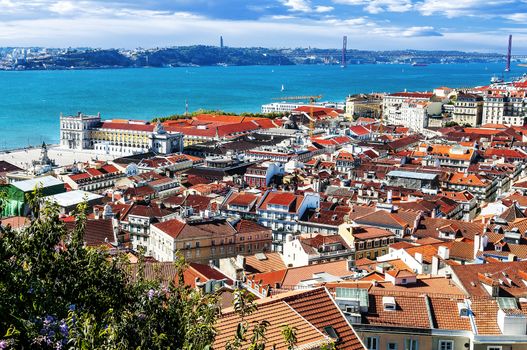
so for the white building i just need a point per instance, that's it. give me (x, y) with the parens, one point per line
(504, 109)
(401, 107)
(280, 107)
(120, 137)
(286, 107)
(303, 251)
(75, 130)
(281, 212)
(468, 109)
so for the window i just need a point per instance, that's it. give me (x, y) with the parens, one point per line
(372, 343)
(494, 347)
(410, 344)
(446, 345)
(392, 346)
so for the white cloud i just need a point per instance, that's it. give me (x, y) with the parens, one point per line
(322, 9)
(98, 24)
(378, 6)
(297, 5)
(457, 8)
(305, 6)
(63, 7)
(280, 17)
(420, 31)
(517, 17)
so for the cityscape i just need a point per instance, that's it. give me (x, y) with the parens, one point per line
(387, 217)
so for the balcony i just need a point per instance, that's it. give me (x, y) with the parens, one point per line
(333, 254)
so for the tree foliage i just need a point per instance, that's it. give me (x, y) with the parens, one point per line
(57, 294)
(273, 115)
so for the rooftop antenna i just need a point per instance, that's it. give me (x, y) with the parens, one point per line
(509, 50)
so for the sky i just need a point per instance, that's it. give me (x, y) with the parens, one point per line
(468, 25)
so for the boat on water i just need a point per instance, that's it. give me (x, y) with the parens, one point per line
(415, 64)
(283, 88)
(496, 80)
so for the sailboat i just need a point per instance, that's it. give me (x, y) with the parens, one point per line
(283, 88)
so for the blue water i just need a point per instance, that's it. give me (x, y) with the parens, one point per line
(31, 101)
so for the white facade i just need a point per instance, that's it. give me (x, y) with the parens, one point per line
(161, 246)
(407, 111)
(412, 114)
(285, 107)
(279, 107)
(504, 110)
(81, 132)
(294, 254)
(75, 130)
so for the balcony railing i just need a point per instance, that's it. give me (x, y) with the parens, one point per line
(334, 253)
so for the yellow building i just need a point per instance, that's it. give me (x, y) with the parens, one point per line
(369, 242)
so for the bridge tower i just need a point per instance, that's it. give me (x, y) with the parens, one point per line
(509, 52)
(344, 49)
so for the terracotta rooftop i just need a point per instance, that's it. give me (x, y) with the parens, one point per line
(264, 262)
(506, 274)
(277, 313)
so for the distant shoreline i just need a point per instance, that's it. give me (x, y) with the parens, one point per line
(241, 65)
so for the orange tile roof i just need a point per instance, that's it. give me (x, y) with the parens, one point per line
(470, 278)
(445, 314)
(171, 227)
(459, 178)
(277, 313)
(411, 311)
(318, 308)
(272, 262)
(485, 314)
(291, 277)
(398, 264)
(280, 198)
(242, 198)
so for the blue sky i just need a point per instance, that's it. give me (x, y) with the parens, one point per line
(471, 25)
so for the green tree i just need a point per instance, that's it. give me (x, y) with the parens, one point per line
(55, 293)
(290, 336)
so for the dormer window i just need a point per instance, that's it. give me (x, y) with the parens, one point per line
(389, 303)
(463, 310)
(497, 247)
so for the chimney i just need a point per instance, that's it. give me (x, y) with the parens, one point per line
(351, 264)
(443, 252)
(240, 261)
(435, 266)
(477, 243)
